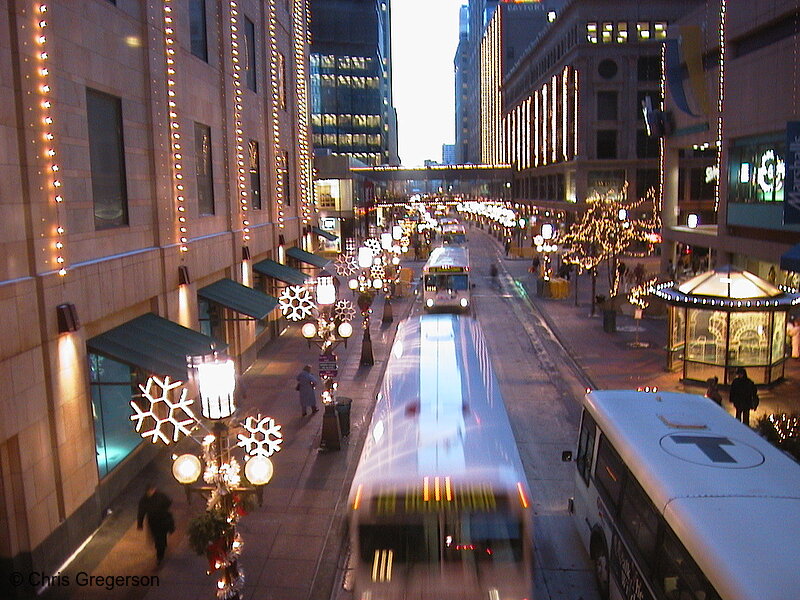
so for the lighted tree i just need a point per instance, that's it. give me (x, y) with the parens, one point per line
(608, 229)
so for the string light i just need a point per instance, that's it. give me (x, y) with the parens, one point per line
(723, 6)
(174, 126)
(564, 110)
(280, 162)
(241, 182)
(300, 44)
(48, 135)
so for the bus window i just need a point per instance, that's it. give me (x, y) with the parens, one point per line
(678, 575)
(639, 519)
(407, 541)
(609, 473)
(458, 282)
(586, 446)
(483, 536)
(446, 282)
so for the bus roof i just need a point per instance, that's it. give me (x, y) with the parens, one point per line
(447, 257)
(731, 496)
(439, 412)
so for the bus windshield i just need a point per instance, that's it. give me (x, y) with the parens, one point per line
(494, 537)
(444, 281)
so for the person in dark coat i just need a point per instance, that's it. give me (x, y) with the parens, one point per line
(743, 395)
(307, 386)
(155, 506)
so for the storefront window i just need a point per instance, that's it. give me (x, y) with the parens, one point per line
(113, 385)
(756, 171)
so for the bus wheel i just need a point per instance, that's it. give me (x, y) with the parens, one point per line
(600, 562)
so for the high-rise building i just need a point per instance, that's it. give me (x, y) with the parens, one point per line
(448, 154)
(146, 176)
(462, 90)
(352, 112)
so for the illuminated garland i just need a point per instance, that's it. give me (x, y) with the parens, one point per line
(48, 135)
(564, 111)
(237, 120)
(786, 426)
(280, 163)
(722, 13)
(174, 126)
(300, 45)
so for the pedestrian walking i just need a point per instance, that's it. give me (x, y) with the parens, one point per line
(307, 386)
(712, 392)
(507, 246)
(793, 331)
(743, 395)
(154, 505)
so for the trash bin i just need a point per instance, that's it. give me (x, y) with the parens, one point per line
(609, 320)
(343, 412)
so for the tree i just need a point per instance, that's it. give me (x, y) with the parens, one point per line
(606, 230)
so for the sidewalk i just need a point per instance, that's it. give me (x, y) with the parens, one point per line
(292, 544)
(607, 359)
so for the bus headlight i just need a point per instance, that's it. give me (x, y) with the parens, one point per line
(464, 302)
(429, 302)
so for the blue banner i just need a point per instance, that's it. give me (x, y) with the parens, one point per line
(791, 182)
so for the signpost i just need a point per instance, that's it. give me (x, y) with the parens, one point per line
(328, 366)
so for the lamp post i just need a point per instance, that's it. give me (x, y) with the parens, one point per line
(169, 411)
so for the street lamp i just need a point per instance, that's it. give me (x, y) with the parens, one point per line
(168, 415)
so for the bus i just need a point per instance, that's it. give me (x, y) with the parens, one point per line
(440, 507)
(677, 500)
(445, 279)
(453, 234)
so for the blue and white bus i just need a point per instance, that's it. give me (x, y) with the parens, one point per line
(440, 506)
(445, 280)
(677, 500)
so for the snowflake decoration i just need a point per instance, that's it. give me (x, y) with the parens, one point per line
(374, 245)
(344, 310)
(296, 303)
(163, 411)
(264, 436)
(377, 272)
(346, 265)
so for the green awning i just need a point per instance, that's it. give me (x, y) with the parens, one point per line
(154, 344)
(283, 273)
(238, 297)
(306, 257)
(326, 234)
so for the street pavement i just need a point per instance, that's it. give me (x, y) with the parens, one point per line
(293, 544)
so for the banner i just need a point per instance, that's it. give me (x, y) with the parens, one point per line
(791, 183)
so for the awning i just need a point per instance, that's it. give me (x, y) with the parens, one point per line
(790, 260)
(307, 257)
(283, 273)
(326, 234)
(238, 297)
(154, 344)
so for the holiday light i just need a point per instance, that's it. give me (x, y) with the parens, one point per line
(241, 182)
(174, 126)
(48, 133)
(306, 165)
(280, 161)
(723, 5)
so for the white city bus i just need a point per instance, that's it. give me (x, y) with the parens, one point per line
(440, 506)
(453, 234)
(445, 279)
(677, 500)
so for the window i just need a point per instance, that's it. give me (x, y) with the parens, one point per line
(648, 68)
(287, 182)
(643, 31)
(639, 520)
(586, 446)
(210, 319)
(591, 33)
(205, 179)
(112, 385)
(655, 102)
(607, 143)
(645, 180)
(607, 33)
(660, 30)
(646, 146)
(609, 474)
(250, 53)
(607, 106)
(107, 160)
(255, 176)
(281, 81)
(197, 29)
(677, 575)
(607, 69)
(622, 32)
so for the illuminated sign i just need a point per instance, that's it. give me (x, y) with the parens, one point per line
(771, 172)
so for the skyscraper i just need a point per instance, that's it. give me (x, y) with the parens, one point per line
(351, 80)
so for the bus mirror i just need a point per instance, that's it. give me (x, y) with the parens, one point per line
(566, 456)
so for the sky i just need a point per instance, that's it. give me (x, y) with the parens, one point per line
(424, 41)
